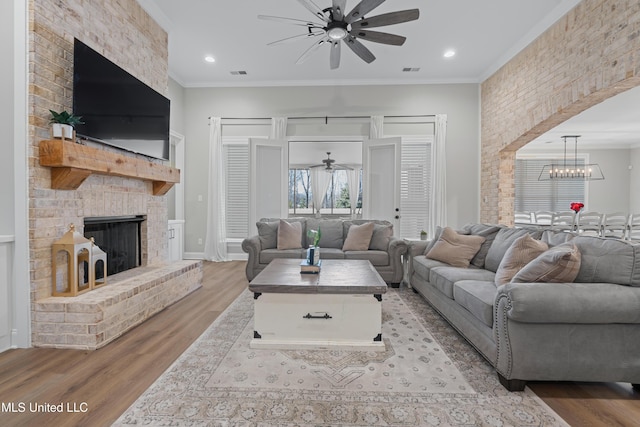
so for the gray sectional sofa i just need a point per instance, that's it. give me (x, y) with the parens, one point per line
(585, 330)
(385, 251)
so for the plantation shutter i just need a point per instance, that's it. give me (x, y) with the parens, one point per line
(552, 195)
(415, 184)
(236, 153)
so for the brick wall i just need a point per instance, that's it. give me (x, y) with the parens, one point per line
(589, 55)
(123, 32)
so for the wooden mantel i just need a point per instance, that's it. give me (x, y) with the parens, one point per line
(72, 163)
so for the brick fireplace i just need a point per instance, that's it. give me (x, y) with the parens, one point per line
(123, 32)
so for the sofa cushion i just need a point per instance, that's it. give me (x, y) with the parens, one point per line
(289, 235)
(330, 232)
(301, 220)
(268, 234)
(358, 237)
(608, 261)
(477, 297)
(503, 240)
(522, 251)
(268, 255)
(422, 266)
(560, 264)
(444, 277)
(378, 258)
(331, 253)
(489, 232)
(381, 237)
(455, 249)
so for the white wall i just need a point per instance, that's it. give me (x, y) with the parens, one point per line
(459, 101)
(612, 193)
(7, 113)
(176, 95)
(634, 178)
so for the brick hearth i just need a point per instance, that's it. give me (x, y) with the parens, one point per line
(92, 320)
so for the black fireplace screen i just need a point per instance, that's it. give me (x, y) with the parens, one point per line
(119, 237)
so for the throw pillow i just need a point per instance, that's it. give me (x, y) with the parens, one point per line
(268, 234)
(436, 237)
(358, 237)
(289, 235)
(381, 236)
(522, 251)
(455, 249)
(560, 264)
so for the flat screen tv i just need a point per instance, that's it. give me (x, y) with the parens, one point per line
(116, 107)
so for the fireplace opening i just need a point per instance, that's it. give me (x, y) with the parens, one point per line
(120, 238)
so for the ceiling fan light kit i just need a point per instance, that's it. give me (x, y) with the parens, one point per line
(328, 165)
(566, 171)
(336, 27)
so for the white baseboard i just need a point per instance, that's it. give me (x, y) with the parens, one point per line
(231, 256)
(193, 255)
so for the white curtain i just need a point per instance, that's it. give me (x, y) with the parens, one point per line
(278, 128)
(375, 127)
(319, 183)
(215, 246)
(353, 182)
(438, 206)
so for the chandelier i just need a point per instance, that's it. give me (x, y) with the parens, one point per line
(570, 170)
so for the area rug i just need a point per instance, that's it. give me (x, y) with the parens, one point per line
(426, 375)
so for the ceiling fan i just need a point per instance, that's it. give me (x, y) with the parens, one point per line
(336, 26)
(329, 166)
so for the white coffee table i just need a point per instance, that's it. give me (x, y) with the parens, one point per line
(339, 307)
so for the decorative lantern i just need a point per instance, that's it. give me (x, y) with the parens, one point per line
(98, 274)
(77, 277)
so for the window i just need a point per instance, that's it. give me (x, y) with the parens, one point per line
(236, 156)
(336, 200)
(532, 195)
(415, 185)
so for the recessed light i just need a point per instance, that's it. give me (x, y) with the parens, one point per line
(209, 59)
(449, 53)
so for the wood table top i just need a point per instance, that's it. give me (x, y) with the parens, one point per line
(337, 276)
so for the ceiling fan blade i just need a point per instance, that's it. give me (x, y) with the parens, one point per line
(360, 49)
(387, 19)
(338, 9)
(290, 21)
(334, 59)
(312, 49)
(313, 8)
(378, 37)
(361, 9)
(294, 38)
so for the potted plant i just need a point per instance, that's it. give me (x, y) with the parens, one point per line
(423, 235)
(63, 123)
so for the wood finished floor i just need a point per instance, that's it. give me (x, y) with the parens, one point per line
(110, 379)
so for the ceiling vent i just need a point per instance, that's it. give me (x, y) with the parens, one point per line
(410, 70)
(239, 73)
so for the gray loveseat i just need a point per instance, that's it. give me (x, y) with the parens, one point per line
(586, 330)
(385, 251)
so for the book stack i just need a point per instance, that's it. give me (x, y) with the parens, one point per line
(306, 268)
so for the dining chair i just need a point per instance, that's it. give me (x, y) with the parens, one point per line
(633, 228)
(614, 225)
(563, 221)
(589, 223)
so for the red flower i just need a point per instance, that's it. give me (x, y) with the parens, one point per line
(576, 206)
